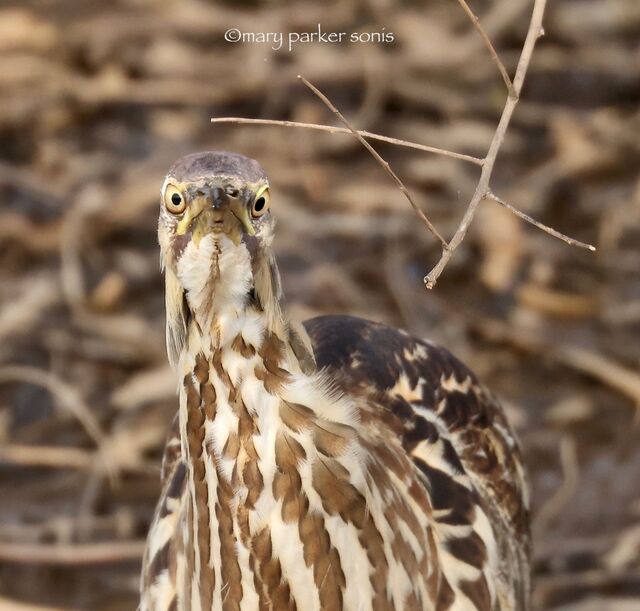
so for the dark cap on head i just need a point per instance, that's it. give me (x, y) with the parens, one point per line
(217, 163)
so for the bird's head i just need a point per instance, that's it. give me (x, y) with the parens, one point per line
(215, 232)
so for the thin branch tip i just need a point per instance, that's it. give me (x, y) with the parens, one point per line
(489, 45)
(429, 283)
(343, 130)
(525, 217)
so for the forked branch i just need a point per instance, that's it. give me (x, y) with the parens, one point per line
(483, 189)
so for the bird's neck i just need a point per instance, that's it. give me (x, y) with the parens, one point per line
(248, 429)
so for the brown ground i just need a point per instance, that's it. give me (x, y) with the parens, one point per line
(98, 98)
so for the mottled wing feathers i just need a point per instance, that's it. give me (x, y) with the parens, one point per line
(172, 451)
(159, 566)
(455, 432)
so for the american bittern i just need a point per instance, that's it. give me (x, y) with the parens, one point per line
(345, 465)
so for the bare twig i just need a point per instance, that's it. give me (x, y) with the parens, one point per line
(41, 456)
(597, 366)
(21, 313)
(64, 458)
(8, 604)
(385, 165)
(69, 399)
(490, 47)
(343, 130)
(482, 189)
(72, 554)
(538, 224)
(624, 552)
(67, 396)
(553, 586)
(562, 495)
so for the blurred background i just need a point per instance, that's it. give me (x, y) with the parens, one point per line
(98, 98)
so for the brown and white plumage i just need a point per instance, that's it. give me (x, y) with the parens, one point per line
(345, 466)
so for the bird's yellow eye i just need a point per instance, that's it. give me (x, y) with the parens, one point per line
(174, 201)
(261, 203)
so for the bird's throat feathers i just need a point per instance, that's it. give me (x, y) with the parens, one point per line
(219, 286)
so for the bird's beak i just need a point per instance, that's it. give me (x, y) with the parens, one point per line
(216, 213)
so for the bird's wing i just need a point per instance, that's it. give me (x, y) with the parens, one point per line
(159, 565)
(452, 427)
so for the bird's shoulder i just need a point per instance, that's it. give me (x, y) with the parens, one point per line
(452, 427)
